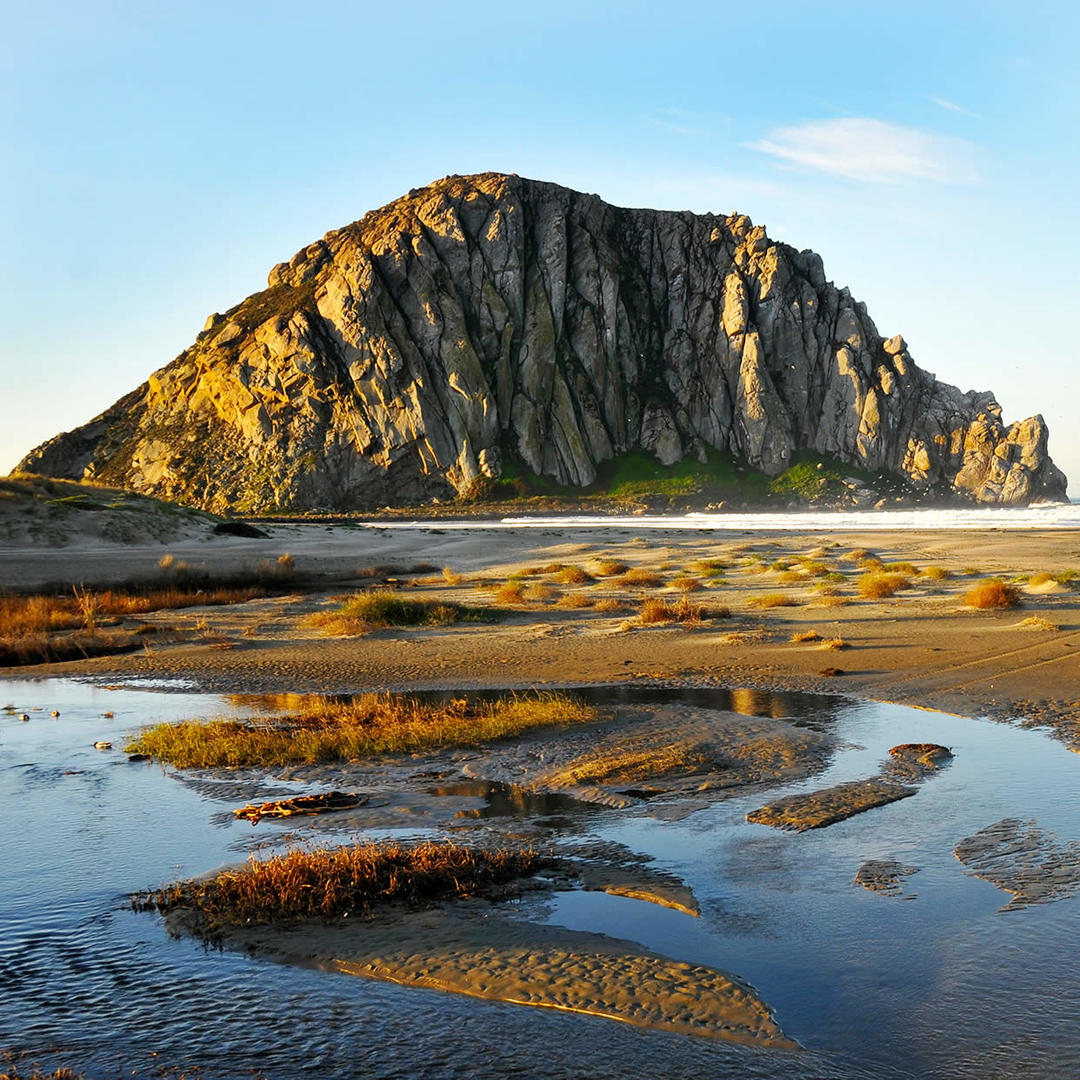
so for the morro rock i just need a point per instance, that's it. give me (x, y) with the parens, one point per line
(490, 318)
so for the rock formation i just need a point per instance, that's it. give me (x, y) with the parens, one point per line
(489, 319)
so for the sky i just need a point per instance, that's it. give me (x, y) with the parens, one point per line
(160, 158)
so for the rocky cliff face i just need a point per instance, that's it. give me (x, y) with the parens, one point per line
(487, 317)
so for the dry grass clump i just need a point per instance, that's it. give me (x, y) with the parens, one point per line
(610, 568)
(450, 576)
(745, 637)
(1036, 622)
(610, 605)
(871, 563)
(572, 575)
(660, 611)
(572, 600)
(513, 592)
(791, 577)
(813, 567)
(372, 610)
(772, 600)
(905, 568)
(935, 573)
(855, 555)
(992, 593)
(834, 643)
(640, 578)
(687, 584)
(356, 880)
(710, 567)
(878, 585)
(805, 635)
(623, 766)
(538, 593)
(322, 730)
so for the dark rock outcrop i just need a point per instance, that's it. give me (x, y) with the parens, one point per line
(492, 317)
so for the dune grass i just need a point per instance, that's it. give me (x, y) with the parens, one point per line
(880, 584)
(662, 611)
(610, 568)
(992, 593)
(365, 611)
(322, 729)
(772, 600)
(332, 883)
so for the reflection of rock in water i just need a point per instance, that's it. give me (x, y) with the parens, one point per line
(816, 809)
(1021, 858)
(885, 876)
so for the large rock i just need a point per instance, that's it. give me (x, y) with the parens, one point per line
(403, 356)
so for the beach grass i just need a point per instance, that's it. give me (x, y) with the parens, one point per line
(881, 584)
(992, 593)
(329, 883)
(323, 729)
(381, 608)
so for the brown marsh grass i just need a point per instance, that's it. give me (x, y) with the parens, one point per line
(992, 593)
(353, 881)
(323, 730)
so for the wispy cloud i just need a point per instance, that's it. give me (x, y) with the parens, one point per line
(951, 106)
(872, 150)
(682, 121)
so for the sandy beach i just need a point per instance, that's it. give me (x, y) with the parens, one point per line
(922, 646)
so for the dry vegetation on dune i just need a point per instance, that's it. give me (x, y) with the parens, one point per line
(365, 611)
(627, 766)
(43, 628)
(323, 729)
(992, 593)
(356, 880)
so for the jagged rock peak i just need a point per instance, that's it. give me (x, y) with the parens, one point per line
(489, 317)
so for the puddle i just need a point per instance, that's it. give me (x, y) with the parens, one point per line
(509, 800)
(941, 985)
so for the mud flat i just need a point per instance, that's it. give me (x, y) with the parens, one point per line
(818, 809)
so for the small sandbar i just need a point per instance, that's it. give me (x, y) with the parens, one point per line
(1021, 858)
(471, 948)
(885, 876)
(817, 809)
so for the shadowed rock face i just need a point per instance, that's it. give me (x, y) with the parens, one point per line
(403, 356)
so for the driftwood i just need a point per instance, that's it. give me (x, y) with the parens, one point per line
(301, 804)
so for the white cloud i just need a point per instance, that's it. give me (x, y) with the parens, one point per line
(872, 150)
(951, 106)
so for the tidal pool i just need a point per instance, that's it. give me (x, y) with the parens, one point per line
(938, 982)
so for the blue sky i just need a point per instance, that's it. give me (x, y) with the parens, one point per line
(160, 158)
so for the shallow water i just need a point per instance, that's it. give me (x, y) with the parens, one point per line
(941, 986)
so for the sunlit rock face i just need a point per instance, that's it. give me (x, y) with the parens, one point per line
(401, 357)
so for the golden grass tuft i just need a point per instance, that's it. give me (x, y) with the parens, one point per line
(353, 881)
(1036, 622)
(805, 635)
(640, 578)
(992, 593)
(661, 611)
(539, 593)
(451, 576)
(790, 577)
(512, 592)
(687, 584)
(855, 555)
(610, 568)
(572, 575)
(610, 605)
(573, 600)
(772, 600)
(935, 573)
(382, 608)
(879, 585)
(834, 643)
(322, 730)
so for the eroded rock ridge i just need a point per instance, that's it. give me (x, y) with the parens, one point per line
(491, 318)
